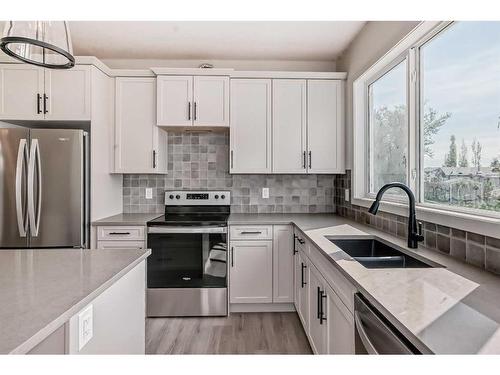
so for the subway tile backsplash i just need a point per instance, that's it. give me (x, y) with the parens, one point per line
(199, 161)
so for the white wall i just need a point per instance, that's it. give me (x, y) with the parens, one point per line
(372, 42)
(313, 66)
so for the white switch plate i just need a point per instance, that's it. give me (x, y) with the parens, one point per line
(346, 195)
(85, 326)
(149, 193)
(265, 193)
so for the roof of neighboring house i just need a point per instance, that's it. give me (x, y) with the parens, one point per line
(463, 171)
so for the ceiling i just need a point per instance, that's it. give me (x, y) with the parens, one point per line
(308, 41)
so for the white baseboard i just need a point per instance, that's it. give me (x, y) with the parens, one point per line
(261, 307)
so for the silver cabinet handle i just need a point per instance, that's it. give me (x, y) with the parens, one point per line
(34, 218)
(251, 232)
(370, 348)
(189, 110)
(21, 161)
(119, 233)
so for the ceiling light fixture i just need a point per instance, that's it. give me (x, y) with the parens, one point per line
(41, 43)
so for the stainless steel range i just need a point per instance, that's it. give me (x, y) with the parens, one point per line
(187, 269)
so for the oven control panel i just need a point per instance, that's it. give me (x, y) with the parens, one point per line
(197, 198)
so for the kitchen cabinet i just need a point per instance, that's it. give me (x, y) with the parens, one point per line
(325, 126)
(193, 101)
(317, 312)
(289, 126)
(283, 264)
(302, 289)
(340, 322)
(121, 237)
(32, 93)
(140, 146)
(251, 272)
(250, 128)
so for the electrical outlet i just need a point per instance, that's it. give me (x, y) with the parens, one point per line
(149, 193)
(265, 193)
(85, 326)
(346, 195)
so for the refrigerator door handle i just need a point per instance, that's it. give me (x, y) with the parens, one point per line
(21, 158)
(34, 218)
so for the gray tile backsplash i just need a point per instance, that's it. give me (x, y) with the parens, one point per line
(199, 160)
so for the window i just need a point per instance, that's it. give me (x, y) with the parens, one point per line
(460, 116)
(428, 114)
(388, 129)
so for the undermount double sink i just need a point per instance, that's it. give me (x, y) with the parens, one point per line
(372, 253)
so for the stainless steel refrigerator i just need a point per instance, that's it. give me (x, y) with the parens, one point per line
(43, 188)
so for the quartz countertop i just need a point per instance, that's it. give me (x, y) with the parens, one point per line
(126, 219)
(450, 309)
(41, 289)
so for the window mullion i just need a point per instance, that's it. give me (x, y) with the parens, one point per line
(413, 133)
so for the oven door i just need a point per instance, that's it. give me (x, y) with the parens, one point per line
(187, 271)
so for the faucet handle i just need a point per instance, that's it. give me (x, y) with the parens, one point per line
(420, 236)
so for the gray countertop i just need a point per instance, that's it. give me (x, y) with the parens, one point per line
(453, 309)
(41, 289)
(126, 219)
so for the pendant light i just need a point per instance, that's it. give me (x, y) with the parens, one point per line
(41, 43)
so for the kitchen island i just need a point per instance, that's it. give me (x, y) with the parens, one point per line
(48, 296)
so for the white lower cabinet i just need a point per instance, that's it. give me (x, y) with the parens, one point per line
(251, 272)
(121, 237)
(340, 322)
(327, 321)
(282, 264)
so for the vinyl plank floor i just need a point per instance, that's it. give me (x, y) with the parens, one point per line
(239, 333)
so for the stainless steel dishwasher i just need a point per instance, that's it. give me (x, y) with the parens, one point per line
(374, 334)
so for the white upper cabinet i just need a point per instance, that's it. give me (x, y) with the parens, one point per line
(175, 100)
(250, 129)
(32, 93)
(325, 127)
(289, 126)
(21, 95)
(211, 101)
(140, 146)
(68, 94)
(188, 101)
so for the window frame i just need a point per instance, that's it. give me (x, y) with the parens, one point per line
(476, 220)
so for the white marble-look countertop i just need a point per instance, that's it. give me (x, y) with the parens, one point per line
(41, 289)
(451, 309)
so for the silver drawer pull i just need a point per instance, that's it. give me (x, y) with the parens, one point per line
(251, 232)
(119, 233)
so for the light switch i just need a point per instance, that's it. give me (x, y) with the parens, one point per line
(85, 326)
(346, 195)
(149, 193)
(265, 193)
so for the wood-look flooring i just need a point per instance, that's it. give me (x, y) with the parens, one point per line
(240, 333)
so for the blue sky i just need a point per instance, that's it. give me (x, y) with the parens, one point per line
(461, 75)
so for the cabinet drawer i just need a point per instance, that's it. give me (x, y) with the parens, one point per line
(132, 233)
(121, 245)
(251, 232)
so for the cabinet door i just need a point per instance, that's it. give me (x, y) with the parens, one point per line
(175, 100)
(340, 326)
(250, 134)
(289, 126)
(282, 263)
(21, 92)
(211, 101)
(68, 94)
(121, 245)
(251, 272)
(325, 126)
(303, 285)
(136, 132)
(317, 327)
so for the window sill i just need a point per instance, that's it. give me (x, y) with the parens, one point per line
(487, 226)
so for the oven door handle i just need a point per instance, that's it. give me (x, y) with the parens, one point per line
(166, 230)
